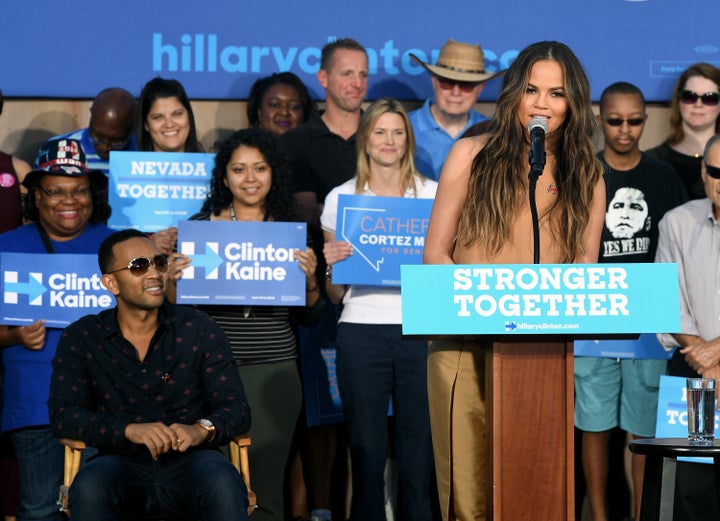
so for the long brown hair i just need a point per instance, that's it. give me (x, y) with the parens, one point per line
(496, 186)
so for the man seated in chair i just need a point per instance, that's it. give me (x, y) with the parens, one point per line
(154, 387)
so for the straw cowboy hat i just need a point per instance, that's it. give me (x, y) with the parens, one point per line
(460, 62)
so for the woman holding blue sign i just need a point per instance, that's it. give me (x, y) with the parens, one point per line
(65, 208)
(250, 182)
(374, 362)
(482, 216)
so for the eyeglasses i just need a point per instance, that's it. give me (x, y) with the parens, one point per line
(140, 265)
(712, 171)
(465, 86)
(618, 122)
(112, 144)
(709, 99)
(57, 195)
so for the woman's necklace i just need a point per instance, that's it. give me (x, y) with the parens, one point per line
(687, 149)
(233, 215)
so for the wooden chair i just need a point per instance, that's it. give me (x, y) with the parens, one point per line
(238, 449)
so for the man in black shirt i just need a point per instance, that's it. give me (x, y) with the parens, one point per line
(321, 152)
(154, 387)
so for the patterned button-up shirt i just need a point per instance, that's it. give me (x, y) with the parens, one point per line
(99, 385)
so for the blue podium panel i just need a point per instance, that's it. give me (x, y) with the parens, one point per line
(569, 299)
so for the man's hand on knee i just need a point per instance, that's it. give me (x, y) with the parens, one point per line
(157, 437)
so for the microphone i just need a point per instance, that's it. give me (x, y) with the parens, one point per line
(536, 157)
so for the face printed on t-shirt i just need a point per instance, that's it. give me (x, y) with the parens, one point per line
(627, 213)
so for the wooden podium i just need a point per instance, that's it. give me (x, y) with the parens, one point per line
(529, 379)
(530, 400)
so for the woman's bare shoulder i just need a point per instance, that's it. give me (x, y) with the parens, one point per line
(463, 153)
(472, 144)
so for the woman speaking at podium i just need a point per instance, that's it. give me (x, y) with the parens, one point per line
(482, 215)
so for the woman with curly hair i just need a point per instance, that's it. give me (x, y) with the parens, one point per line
(250, 183)
(482, 216)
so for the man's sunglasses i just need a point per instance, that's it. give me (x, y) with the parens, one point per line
(709, 99)
(617, 122)
(464, 86)
(712, 171)
(140, 265)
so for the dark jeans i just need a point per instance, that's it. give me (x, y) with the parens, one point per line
(40, 461)
(373, 364)
(198, 485)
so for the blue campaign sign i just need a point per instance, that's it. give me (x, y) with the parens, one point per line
(517, 299)
(645, 346)
(385, 232)
(152, 191)
(672, 417)
(204, 50)
(242, 263)
(58, 288)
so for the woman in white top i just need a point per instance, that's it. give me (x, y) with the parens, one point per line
(374, 362)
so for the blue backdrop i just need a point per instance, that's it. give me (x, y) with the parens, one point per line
(217, 48)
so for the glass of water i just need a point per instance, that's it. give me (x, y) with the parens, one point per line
(701, 410)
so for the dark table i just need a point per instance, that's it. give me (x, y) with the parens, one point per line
(659, 477)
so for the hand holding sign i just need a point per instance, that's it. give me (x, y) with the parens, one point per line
(336, 251)
(178, 262)
(165, 240)
(308, 264)
(31, 337)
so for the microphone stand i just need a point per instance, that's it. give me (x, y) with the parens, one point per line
(536, 158)
(535, 172)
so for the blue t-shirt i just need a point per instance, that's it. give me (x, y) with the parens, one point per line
(27, 373)
(432, 142)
